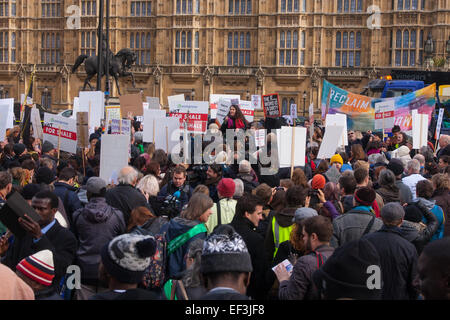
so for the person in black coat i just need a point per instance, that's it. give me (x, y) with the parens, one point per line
(67, 193)
(398, 256)
(47, 234)
(125, 196)
(246, 220)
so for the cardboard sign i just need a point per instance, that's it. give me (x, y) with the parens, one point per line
(151, 118)
(256, 102)
(247, 110)
(419, 130)
(331, 141)
(82, 129)
(195, 113)
(7, 111)
(35, 119)
(153, 103)
(94, 103)
(291, 146)
(168, 133)
(131, 103)
(223, 108)
(62, 129)
(121, 126)
(271, 106)
(113, 156)
(384, 115)
(214, 100)
(338, 119)
(174, 99)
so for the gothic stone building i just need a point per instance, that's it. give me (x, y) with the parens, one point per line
(199, 47)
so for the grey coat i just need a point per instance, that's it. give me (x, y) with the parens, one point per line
(351, 226)
(405, 192)
(300, 286)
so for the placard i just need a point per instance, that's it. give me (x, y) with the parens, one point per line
(439, 124)
(294, 111)
(151, 118)
(131, 103)
(288, 144)
(83, 129)
(121, 128)
(94, 103)
(420, 130)
(331, 141)
(168, 136)
(338, 119)
(114, 154)
(195, 111)
(271, 106)
(67, 136)
(112, 112)
(260, 138)
(174, 99)
(35, 119)
(384, 115)
(214, 100)
(3, 121)
(256, 102)
(153, 103)
(223, 108)
(247, 110)
(7, 111)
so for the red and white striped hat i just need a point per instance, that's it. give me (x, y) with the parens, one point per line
(38, 267)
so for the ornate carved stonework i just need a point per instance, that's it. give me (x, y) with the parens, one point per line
(373, 74)
(316, 76)
(260, 74)
(157, 74)
(64, 73)
(207, 75)
(21, 73)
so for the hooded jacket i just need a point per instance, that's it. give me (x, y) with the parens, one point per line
(442, 198)
(389, 194)
(69, 198)
(438, 213)
(284, 220)
(333, 175)
(95, 225)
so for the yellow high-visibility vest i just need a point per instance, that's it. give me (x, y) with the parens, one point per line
(280, 234)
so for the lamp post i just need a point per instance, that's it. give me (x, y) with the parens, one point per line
(304, 103)
(192, 94)
(100, 45)
(247, 95)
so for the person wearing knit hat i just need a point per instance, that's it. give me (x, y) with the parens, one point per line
(344, 275)
(123, 263)
(44, 175)
(358, 221)
(226, 265)
(337, 159)
(225, 189)
(19, 149)
(47, 147)
(38, 272)
(334, 172)
(396, 166)
(247, 176)
(318, 182)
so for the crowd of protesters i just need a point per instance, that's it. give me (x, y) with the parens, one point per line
(231, 230)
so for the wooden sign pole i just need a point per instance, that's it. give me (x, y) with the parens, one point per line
(59, 143)
(167, 139)
(421, 127)
(292, 151)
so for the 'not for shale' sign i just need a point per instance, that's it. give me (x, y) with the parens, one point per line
(62, 129)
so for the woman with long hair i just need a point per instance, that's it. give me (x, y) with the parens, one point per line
(388, 189)
(357, 153)
(299, 178)
(234, 120)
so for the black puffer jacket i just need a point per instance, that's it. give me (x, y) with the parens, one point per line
(95, 225)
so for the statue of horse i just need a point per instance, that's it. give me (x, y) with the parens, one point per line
(119, 64)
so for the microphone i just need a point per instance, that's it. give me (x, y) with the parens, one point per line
(177, 194)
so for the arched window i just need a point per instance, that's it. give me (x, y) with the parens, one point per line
(413, 39)
(345, 40)
(352, 40)
(358, 40)
(230, 40)
(400, 5)
(338, 40)
(339, 5)
(288, 39)
(295, 40)
(406, 39)
(283, 5)
(284, 107)
(398, 39)
(282, 40)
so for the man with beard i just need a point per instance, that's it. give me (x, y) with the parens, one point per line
(317, 232)
(214, 175)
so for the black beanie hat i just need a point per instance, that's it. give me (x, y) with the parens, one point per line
(47, 147)
(413, 213)
(396, 166)
(365, 196)
(30, 190)
(126, 257)
(94, 136)
(44, 175)
(344, 274)
(19, 148)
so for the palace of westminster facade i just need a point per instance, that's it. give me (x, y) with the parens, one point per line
(200, 47)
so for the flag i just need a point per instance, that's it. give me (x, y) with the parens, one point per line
(25, 124)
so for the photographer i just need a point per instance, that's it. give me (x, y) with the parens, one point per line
(175, 194)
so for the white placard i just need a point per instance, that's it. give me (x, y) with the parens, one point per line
(168, 136)
(197, 111)
(256, 102)
(153, 103)
(94, 103)
(311, 120)
(339, 120)
(7, 111)
(439, 123)
(330, 142)
(420, 130)
(3, 121)
(35, 119)
(173, 99)
(223, 108)
(260, 138)
(214, 100)
(117, 128)
(384, 114)
(113, 156)
(293, 111)
(285, 143)
(151, 118)
(68, 135)
(247, 110)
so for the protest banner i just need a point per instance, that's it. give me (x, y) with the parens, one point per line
(151, 118)
(293, 111)
(271, 106)
(153, 103)
(195, 113)
(112, 112)
(338, 120)
(438, 126)
(331, 141)
(384, 115)
(131, 104)
(291, 147)
(121, 126)
(223, 108)
(35, 119)
(7, 111)
(114, 153)
(61, 131)
(256, 102)
(214, 100)
(168, 133)
(83, 129)
(94, 103)
(359, 110)
(419, 130)
(247, 110)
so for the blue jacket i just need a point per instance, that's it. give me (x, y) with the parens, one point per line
(69, 198)
(176, 227)
(439, 214)
(169, 189)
